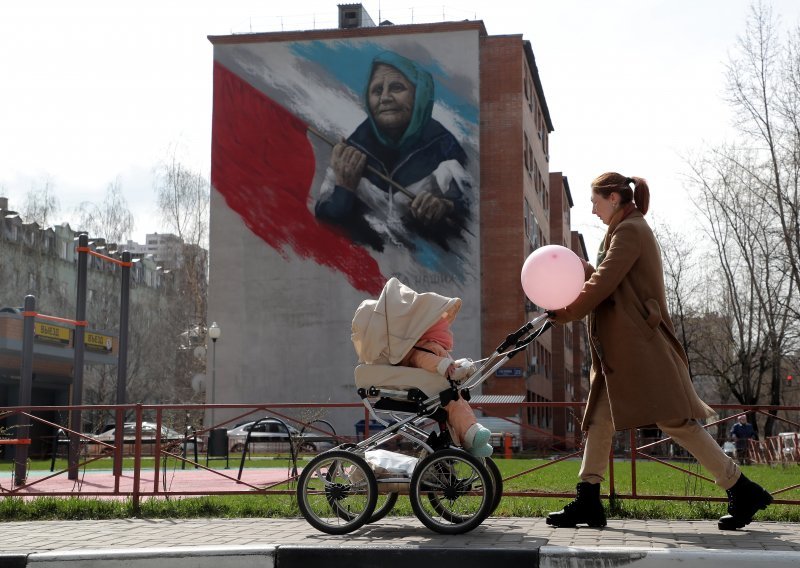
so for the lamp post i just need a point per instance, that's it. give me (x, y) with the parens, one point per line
(214, 332)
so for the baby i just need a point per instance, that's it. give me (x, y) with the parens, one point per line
(432, 353)
(406, 328)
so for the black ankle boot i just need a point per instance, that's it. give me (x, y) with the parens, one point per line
(745, 499)
(586, 509)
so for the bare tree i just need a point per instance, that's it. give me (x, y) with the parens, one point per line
(41, 203)
(749, 206)
(111, 220)
(183, 198)
(683, 282)
(763, 87)
(754, 281)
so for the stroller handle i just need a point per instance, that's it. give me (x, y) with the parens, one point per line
(512, 338)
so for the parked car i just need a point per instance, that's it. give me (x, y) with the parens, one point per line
(148, 438)
(499, 427)
(269, 435)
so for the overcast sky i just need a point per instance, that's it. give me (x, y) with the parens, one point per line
(92, 91)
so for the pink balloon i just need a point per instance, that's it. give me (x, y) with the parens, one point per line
(552, 277)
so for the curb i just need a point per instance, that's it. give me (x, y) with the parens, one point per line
(283, 556)
(171, 557)
(13, 560)
(298, 556)
(570, 557)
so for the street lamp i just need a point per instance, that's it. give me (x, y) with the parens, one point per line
(214, 332)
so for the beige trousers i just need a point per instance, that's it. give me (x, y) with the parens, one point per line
(688, 433)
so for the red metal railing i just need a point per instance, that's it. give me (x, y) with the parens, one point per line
(145, 481)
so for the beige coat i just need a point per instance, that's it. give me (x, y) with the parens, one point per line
(633, 345)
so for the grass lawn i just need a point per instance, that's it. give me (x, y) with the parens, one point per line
(652, 478)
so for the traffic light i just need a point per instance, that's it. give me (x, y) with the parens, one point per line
(789, 380)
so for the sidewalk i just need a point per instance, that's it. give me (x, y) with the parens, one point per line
(391, 543)
(496, 532)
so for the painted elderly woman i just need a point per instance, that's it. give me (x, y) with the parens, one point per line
(399, 141)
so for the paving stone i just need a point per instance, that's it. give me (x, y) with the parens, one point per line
(40, 536)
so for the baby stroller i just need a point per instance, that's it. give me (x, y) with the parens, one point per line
(450, 490)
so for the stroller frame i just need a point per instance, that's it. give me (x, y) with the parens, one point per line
(451, 491)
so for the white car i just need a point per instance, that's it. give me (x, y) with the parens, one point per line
(169, 437)
(270, 435)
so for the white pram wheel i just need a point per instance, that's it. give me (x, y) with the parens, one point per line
(497, 484)
(383, 507)
(451, 492)
(337, 492)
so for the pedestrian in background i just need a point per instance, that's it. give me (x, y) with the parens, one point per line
(741, 433)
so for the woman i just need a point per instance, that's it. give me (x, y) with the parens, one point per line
(639, 372)
(401, 140)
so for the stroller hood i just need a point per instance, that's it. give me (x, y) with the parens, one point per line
(385, 330)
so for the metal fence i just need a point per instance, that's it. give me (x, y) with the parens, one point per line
(191, 459)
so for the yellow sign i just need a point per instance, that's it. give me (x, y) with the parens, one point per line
(48, 332)
(98, 342)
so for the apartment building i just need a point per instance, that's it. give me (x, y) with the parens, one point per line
(294, 251)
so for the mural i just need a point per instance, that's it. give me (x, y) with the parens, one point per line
(357, 155)
(337, 164)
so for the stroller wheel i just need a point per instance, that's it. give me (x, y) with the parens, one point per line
(497, 484)
(337, 492)
(383, 507)
(451, 492)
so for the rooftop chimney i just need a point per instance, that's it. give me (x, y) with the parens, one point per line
(354, 16)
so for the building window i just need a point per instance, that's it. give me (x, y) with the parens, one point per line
(533, 237)
(526, 81)
(526, 215)
(530, 353)
(545, 143)
(527, 151)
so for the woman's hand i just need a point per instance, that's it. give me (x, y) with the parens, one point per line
(348, 165)
(559, 316)
(430, 209)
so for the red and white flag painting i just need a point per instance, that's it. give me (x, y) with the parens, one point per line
(263, 165)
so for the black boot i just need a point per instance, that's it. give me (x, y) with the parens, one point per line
(586, 509)
(745, 499)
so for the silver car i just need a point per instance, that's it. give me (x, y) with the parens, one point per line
(169, 437)
(270, 435)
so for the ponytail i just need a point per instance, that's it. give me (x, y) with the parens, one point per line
(641, 194)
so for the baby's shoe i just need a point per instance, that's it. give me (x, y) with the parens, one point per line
(476, 441)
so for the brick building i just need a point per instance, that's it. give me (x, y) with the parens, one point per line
(487, 92)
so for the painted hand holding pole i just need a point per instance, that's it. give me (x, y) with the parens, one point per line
(449, 220)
